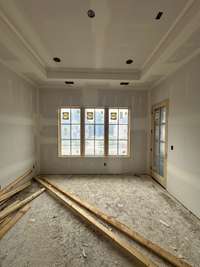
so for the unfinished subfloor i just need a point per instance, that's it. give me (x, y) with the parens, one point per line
(51, 235)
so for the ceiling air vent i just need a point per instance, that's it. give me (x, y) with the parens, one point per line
(69, 82)
(124, 83)
(159, 15)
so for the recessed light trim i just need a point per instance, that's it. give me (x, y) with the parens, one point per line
(124, 83)
(91, 13)
(129, 61)
(69, 82)
(159, 15)
(57, 59)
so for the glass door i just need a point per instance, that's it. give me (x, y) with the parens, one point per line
(159, 142)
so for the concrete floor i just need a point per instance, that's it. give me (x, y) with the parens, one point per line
(50, 235)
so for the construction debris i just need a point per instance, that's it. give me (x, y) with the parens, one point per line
(10, 221)
(17, 206)
(122, 228)
(15, 182)
(126, 247)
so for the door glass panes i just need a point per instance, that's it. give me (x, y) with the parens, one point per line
(70, 131)
(94, 132)
(118, 131)
(159, 140)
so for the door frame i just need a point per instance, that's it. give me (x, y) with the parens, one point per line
(156, 176)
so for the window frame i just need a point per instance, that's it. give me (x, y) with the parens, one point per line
(82, 133)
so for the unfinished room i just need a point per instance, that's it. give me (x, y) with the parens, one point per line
(99, 133)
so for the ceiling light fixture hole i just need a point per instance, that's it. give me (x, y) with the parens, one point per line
(91, 13)
(129, 61)
(57, 59)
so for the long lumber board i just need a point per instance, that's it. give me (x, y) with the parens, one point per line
(13, 220)
(8, 207)
(15, 182)
(124, 229)
(126, 247)
(9, 194)
(9, 210)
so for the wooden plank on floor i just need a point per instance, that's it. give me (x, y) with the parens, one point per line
(11, 205)
(14, 183)
(126, 247)
(124, 229)
(13, 220)
(9, 194)
(9, 210)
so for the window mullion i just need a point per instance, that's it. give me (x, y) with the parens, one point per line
(106, 132)
(82, 131)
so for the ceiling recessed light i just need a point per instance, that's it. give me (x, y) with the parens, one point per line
(69, 82)
(129, 61)
(57, 59)
(124, 83)
(91, 13)
(159, 15)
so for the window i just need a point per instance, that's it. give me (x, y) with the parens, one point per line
(94, 132)
(118, 132)
(70, 131)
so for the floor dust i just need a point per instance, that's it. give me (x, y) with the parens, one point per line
(50, 235)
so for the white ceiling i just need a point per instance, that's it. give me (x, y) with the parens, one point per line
(95, 49)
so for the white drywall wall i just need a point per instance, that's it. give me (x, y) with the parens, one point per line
(18, 133)
(51, 99)
(183, 91)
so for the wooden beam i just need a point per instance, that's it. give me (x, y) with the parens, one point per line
(13, 220)
(13, 183)
(9, 206)
(9, 210)
(126, 247)
(9, 194)
(125, 229)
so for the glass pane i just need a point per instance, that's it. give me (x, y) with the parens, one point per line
(112, 147)
(162, 150)
(75, 115)
(89, 147)
(99, 148)
(113, 116)
(157, 132)
(157, 149)
(65, 147)
(89, 115)
(113, 131)
(89, 131)
(156, 164)
(157, 116)
(162, 133)
(123, 116)
(75, 132)
(123, 145)
(65, 131)
(99, 116)
(65, 115)
(161, 167)
(99, 131)
(163, 114)
(123, 132)
(75, 147)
